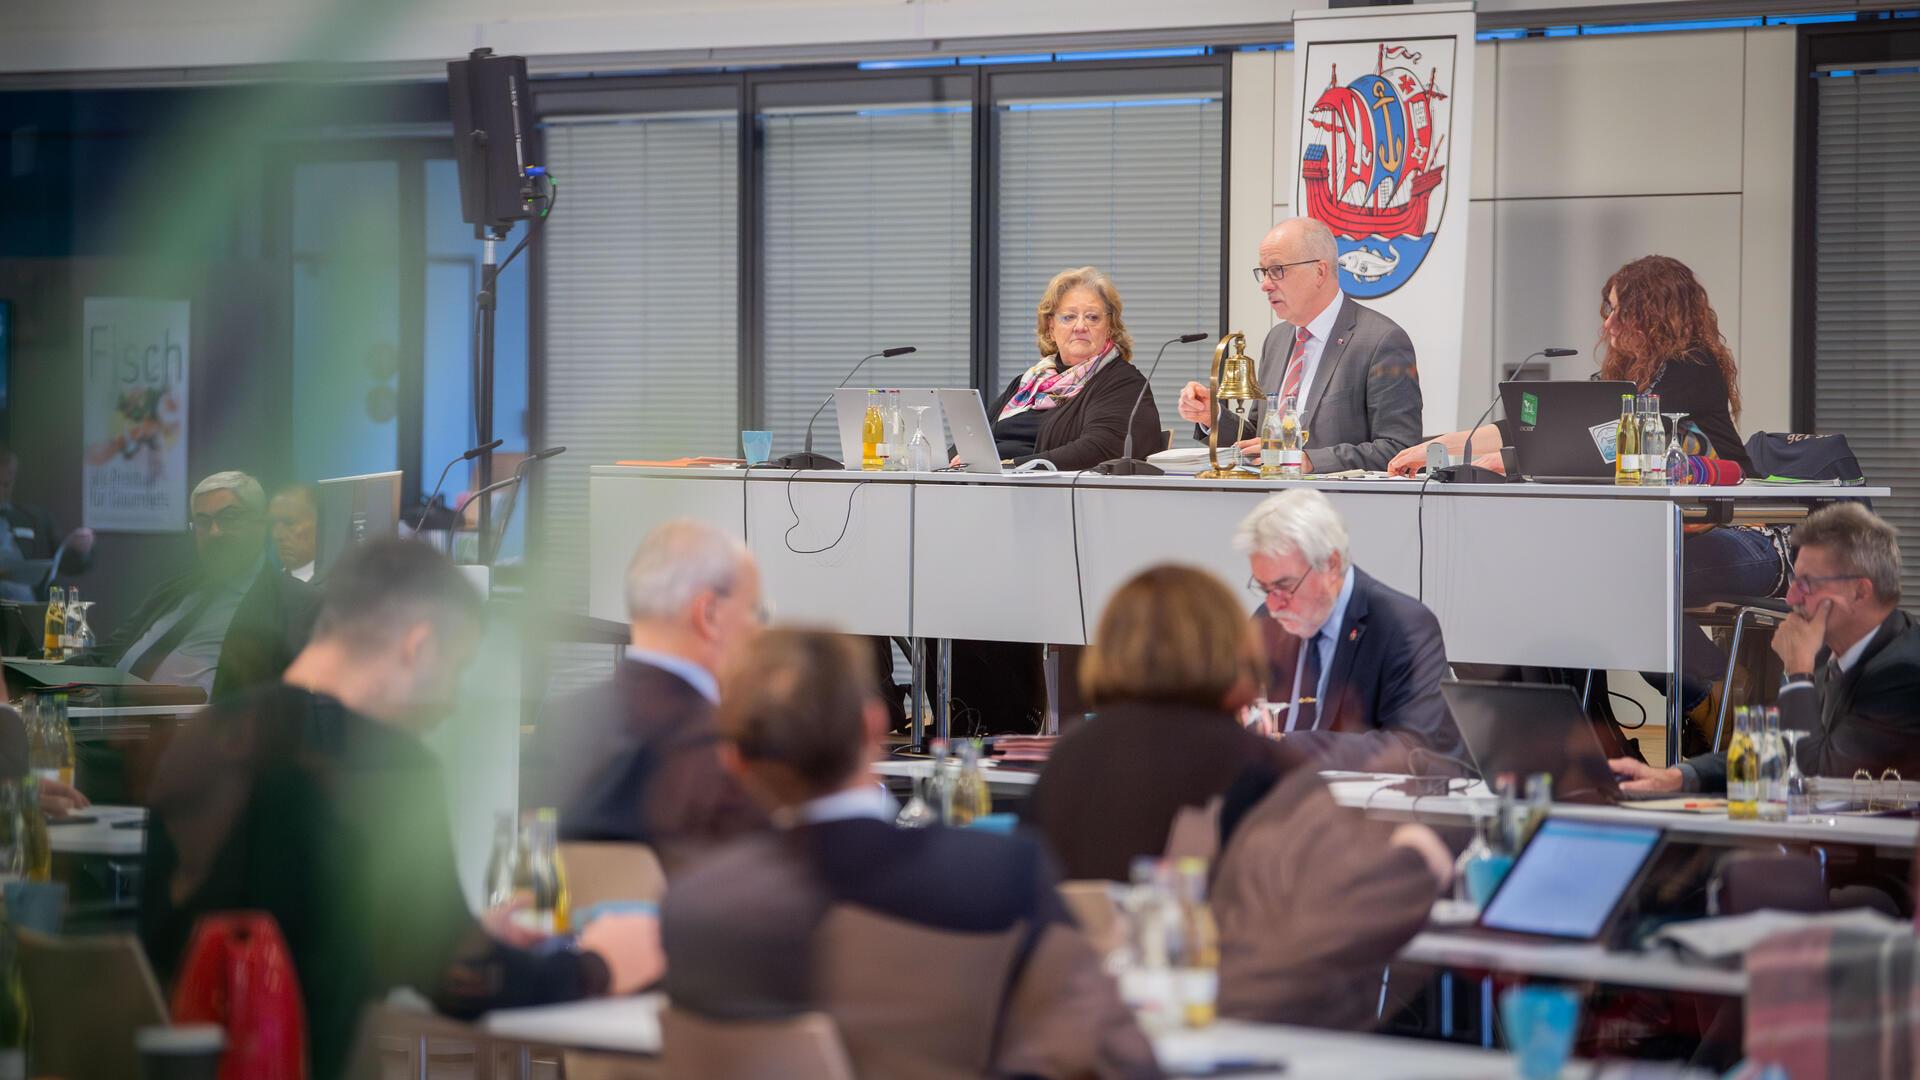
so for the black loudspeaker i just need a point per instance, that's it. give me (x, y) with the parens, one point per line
(494, 138)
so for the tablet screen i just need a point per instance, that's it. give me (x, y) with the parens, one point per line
(1569, 878)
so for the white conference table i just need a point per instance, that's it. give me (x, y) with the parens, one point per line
(1530, 574)
(100, 836)
(632, 1026)
(1369, 792)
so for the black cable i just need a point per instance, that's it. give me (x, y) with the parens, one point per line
(1080, 592)
(1635, 704)
(1420, 534)
(787, 537)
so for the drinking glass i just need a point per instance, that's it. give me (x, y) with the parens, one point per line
(1799, 798)
(1540, 1023)
(758, 445)
(919, 450)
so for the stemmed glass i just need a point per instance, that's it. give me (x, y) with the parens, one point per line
(919, 450)
(1799, 799)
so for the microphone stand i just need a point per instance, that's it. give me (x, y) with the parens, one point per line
(427, 507)
(1126, 464)
(1467, 472)
(806, 459)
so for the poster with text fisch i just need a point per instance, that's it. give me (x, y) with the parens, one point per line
(134, 364)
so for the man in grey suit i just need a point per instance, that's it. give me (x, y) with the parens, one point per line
(1351, 367)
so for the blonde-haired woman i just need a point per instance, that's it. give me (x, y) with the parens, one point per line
(1071, 408)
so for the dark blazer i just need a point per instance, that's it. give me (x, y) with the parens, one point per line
(1165, 758)
(749, 933)
(35, 533)
(1364, 404)
(1868, 718)
(271, 626)
(286, 801)
(636, 759)
(1091, 427)
(1383, 690)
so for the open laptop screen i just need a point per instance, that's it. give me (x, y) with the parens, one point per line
(1570, 878)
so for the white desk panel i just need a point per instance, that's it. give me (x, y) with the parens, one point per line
(841, 557)
(625, 504)
(995, 562)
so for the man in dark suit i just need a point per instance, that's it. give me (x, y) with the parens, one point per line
(636, 759)
(935, 951)
(232, 622)
(1351, 368)
(29, 538)
(1851, 655)
(1358, 664)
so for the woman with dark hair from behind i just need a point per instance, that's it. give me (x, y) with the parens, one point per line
(1312, 898)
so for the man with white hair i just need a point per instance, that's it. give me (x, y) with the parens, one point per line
(1350, 368)
(1358, 664)
(636, 759)
(234, 621)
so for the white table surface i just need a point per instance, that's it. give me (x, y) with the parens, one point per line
(99, 837)
(632, 1026)
(1578, 962)
(1369, 792)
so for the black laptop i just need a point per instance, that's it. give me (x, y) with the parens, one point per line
(1563, 431)
(1527, 728)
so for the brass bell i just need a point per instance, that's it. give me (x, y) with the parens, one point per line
(1234, 386)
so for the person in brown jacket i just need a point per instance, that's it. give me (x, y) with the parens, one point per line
(936, 952)
(636, 759)
(1312, 899)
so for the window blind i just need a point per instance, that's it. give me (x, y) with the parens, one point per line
(1867, 285)
(867, 217)
(1132, 186)
(641, 278)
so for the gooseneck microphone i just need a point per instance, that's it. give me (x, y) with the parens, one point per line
(468, 456)
(1125, 464)
(490, 546)
(1467, 472)
(806, 458)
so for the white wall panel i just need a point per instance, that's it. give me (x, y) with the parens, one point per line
(1765, 338)
(1257, 107)
(1640, 114)
(1486, 114)
(1552, 255)
(1478, 366)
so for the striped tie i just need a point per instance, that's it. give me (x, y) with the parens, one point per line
(1296, 367)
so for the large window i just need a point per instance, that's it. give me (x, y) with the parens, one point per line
(385, 276)
(642, 291)
(1130, 183)
(867, 239)
(1865, 333)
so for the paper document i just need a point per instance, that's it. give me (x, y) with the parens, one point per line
(1731, 937)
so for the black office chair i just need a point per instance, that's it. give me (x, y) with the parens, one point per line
(1749, 882)
(1741, 614)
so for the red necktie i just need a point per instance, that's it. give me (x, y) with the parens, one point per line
(1296, 367)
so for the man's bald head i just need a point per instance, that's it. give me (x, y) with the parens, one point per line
(1302, 274)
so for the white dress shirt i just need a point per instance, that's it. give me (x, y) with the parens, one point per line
(1842, 662)
(1319, 328)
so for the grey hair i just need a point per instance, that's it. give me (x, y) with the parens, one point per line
(676, 563)
(1863, 542)
(1316, 240)
(244, 487)
(1300, 522)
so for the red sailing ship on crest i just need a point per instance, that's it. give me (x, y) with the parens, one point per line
(1377, 166)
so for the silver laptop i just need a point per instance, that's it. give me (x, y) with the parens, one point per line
(850, 409)
(972, 435)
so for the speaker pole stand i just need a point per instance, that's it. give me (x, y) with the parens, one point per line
(483, 378)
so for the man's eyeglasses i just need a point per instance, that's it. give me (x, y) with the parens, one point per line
(1806, 584)
(1264, 589)
(231, 518)
(1278, 270)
